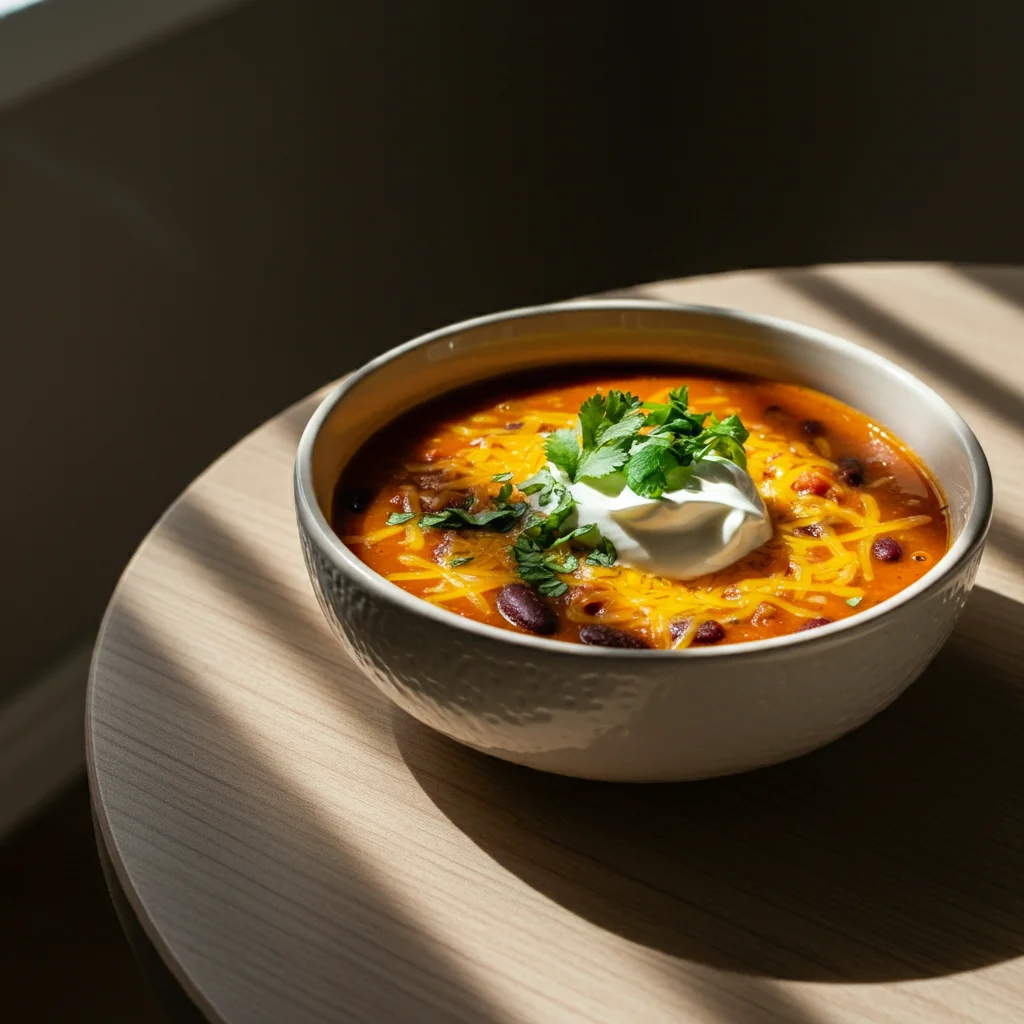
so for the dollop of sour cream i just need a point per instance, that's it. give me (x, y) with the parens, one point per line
(706, 525)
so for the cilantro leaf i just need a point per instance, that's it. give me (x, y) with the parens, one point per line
(684, 438)
(500, 478)
(537, 567)
(499, 519)
(604, 554)
(646, 470)
(618, 404)
(563, 450)
(461, 560)
(540, 483)
(586, 533)
(564, 506)
(552, 586)
(626, 427)
(591, 415)
(599, 462)
(397, 518)
(504, 493)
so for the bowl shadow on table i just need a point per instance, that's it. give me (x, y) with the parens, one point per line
(895, 853)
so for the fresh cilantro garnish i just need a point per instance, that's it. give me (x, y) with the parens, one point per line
(461, 560)
(500, 478)
(541, 549)
(608, 425)
(604, 554)
(588, 532)
(541, 484)
(609, 441)
(540, 568)
(499, 519)
(563, 450)
(397, 518)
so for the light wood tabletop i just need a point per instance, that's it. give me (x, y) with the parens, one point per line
(297, 850)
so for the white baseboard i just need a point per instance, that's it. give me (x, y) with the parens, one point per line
(42, 737)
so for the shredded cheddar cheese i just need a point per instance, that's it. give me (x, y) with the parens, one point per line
(821, 548)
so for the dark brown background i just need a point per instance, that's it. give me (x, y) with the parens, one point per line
(205, 231)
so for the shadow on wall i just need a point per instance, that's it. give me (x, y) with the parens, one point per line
(201, 233)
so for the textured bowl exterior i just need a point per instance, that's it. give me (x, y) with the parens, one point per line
(632, 718)
(646, 715)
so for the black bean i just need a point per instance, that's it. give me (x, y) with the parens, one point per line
(605, 636)
(514, 426)
(593, 607)
(813, 428)
(885, 549)
(524, 607)
(815, 623)
(709, 632)
(355, 499)
(851, 471)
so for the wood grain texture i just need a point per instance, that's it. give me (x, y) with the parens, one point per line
(299, 851)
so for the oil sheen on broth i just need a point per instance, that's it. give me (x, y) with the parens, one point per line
(435, 504)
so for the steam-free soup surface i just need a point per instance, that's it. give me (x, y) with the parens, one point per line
(855, 515)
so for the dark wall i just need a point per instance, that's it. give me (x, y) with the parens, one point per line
(205, 231)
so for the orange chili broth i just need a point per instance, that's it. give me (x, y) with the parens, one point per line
(773, 412)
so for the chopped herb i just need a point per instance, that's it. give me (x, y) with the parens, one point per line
(461, 560)
(541, 550)
(499, 519)
(538, 567)
(604, 554)
(588, 533)
(541, 483)
(854, 601)
(397, 518)
(563, 450)
(609, 441)
(500, 478)
(504, 494)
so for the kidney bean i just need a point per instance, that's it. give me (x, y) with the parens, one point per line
(605, 636)
(356, 499)
(593, 607)
(812, 428)
(851, 471)
(815, 623)
(813, 530)
(885, 549)
(710, 632)
(524, 607)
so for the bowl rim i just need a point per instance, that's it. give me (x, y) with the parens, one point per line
(971, 537)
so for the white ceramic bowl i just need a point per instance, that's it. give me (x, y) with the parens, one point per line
(621, 714)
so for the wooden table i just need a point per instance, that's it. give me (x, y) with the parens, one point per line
(297, 850)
